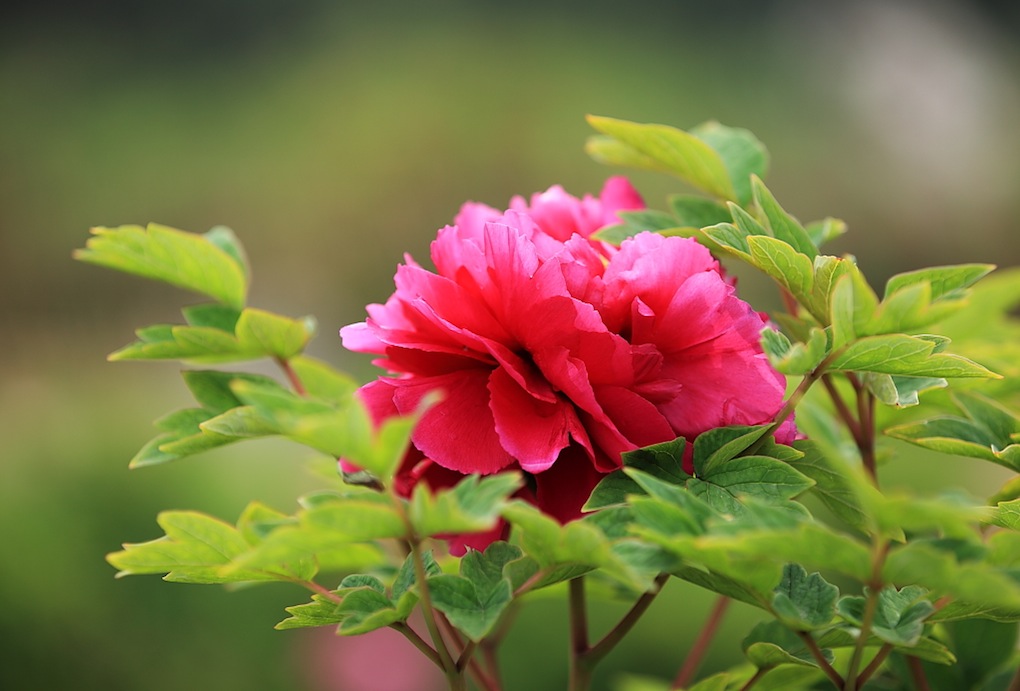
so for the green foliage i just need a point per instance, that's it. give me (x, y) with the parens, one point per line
(212, 264)
(731, 511)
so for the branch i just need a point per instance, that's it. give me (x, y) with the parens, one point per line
(700, 647)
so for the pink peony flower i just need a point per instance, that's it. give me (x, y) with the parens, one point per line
(555, 353)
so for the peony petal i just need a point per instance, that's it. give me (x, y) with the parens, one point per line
(532, 430)
(562, 490)
(458, 432)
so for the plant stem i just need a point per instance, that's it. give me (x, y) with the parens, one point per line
(866, 414)
(1015, 684)
(875, 584)
(419, 643)
(819, 656)
(623, 627)
(701, 644)
(580, 673)
(841, 407)
(875, 663)
(754, 680)
(917, 673)
(454, 676)
(292, 377)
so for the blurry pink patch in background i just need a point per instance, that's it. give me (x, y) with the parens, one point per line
(382, 660)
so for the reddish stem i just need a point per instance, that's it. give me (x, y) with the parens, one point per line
(702, 643)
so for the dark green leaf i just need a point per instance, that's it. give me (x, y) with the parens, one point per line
(899, 616)
(697, 212)
(770, 644)
(472, 505)
(804, 602)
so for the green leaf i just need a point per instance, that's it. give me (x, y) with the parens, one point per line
(212, 315)
(782, 225)
(194, 344)
(943, 280)
(224, 238)
(905, 355)
(193, 262)
(770, 644)
(573, 549)
(322, 611)
(833, 484)
(852, 305)
(366, 609)
(358, 519)
(195, 549)
(794, 358)
(988, 431)
(272, 334)
(721, 444)
(899, 617)
(804, 602)
(613, 152)
(827, 273)
(1007, 514)
(697, 212)
(982, 647)
(824, 230)
(741, 152)
(900, 391)
(726, 484)
(673, 150)
(663, 460)
(323, 381)
(784, 264)
(474, 600)
(940, 571)
(473, 505)
(727, 238)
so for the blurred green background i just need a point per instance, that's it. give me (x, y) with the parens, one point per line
(334, 137)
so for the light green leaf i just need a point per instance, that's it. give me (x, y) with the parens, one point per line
(804, 602)
(357, 519)
(323, 381)
(900, 391)
(944, 281)
(770, 644)
(785, 265)
(988, 431)
(613, 152)
(905, 355)
(833, 484)
(322, 611)
(782, 225)
(195, 549)
(272, 334)
(852, 305)
(473, 505)
(824, 230)
(726, 238)
(794, 358)
(193, 262)
(741, 152)
(940, 571)
(676, 151)
(827, 272)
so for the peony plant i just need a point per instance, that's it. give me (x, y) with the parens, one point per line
(575, 393)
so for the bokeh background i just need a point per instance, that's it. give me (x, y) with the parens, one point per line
(333, 137)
